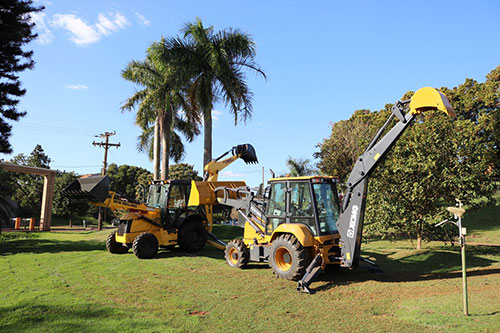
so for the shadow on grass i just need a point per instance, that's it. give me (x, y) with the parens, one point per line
(47, 246)
(62, 318)
(433, 264)
(207, 251)
(14, 243)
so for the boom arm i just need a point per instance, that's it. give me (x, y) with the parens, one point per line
(350, 223)
(245, 152)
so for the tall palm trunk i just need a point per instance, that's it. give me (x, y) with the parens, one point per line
(165, 129)
(207, 136)
(156, 151)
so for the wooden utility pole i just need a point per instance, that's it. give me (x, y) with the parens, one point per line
(106, 145)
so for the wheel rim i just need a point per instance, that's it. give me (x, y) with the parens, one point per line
(233, 256)
(283, 259)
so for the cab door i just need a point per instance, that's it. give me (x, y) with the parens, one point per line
(177, 203)
(276, 206)
(301, 205)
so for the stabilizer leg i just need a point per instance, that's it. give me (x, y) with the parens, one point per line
(309, 277)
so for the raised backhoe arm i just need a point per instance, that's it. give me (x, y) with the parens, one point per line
(350, 223)
(96, 190)
(245, 152)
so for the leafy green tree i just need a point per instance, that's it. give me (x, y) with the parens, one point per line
(6, 192)
(183, 171)
(214, 62)
(125, 179)
(29, 188)
(427, 169)
(63, 206)
(15, 31)
(480, 103)
(433, 162)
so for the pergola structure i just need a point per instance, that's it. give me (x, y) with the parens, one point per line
(48, 189)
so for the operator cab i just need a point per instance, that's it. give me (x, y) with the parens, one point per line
(311, 201)
(171, 197)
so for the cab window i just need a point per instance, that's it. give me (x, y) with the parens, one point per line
(276, 209)
(301, 205)
(156, 195)
(177, 197)
(328, 207)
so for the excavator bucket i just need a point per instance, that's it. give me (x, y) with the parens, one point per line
(93, 188)
(427, 98)
(246, 152)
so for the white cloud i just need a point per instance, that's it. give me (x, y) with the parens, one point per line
(106, 25)
(77, 86)
(231, 174)
(82, 33)
(216, 115)
(45, 36)
(142, 20)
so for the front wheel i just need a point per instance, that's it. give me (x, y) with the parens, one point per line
(145, 245)
(192, 235)
(289, 259)
(113, 246)
(237, 254)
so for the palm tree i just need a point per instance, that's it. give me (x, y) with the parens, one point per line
(146, 141)
(158, 102)
(214, 63)
(300, 167)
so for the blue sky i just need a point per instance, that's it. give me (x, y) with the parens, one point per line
(323, 60)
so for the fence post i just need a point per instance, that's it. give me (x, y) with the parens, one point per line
(32, 224)
(17, 225)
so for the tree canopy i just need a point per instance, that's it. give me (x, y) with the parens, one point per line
(186, 76)
(16, 30)
(434, 161)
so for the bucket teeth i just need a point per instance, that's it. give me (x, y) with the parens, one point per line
(246, 152)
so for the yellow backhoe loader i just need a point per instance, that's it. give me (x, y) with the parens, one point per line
(302, 226)
(175, 212)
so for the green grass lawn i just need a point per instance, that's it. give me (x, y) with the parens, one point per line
(67, 282)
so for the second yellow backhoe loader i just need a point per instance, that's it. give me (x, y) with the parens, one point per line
(174, 212)
(302, 226)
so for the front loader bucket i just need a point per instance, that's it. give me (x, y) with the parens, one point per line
(428, 98)
(246, 152)
(93, 188)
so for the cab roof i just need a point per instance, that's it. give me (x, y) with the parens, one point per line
(333, 178)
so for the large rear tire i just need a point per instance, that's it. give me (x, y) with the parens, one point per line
(192, 235)
(145, 246)
(237, 254)
(113, 246)
(289, 259)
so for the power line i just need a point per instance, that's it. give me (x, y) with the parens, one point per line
(75, 166)
(106, 146)
(56, 129)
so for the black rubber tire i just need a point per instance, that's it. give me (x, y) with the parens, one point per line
(287, 251)
(237, 254)
(113, 246)
(145, 246)
(192, 236)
